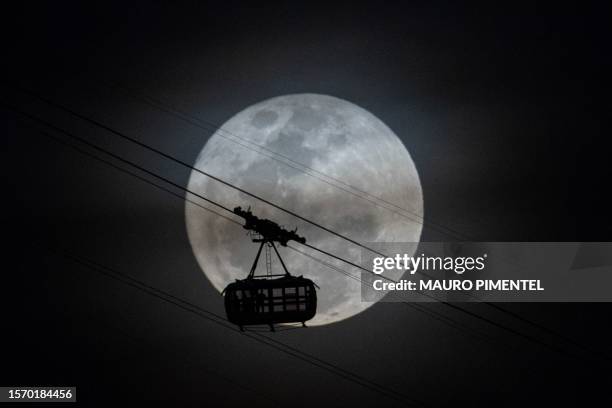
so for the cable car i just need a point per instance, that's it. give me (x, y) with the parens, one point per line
(273, 298)
(288, 299)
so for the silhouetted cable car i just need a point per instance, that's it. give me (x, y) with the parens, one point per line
(255, 301)
(269, 299)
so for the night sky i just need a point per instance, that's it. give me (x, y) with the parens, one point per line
(504, 110)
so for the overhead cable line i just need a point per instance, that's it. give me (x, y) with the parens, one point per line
(271, 154)
(221, 321)
(92, 121)
(189, 166)
(288, 161)
(436, 316)
(85, 141)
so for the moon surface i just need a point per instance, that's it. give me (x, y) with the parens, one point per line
(315, 155)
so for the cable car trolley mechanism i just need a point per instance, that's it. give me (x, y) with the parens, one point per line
(273, 298)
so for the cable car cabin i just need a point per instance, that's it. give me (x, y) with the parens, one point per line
(253, 301)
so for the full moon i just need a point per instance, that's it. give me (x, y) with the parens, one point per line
(323, 158)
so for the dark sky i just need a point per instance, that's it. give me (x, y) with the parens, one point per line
(503, 108)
